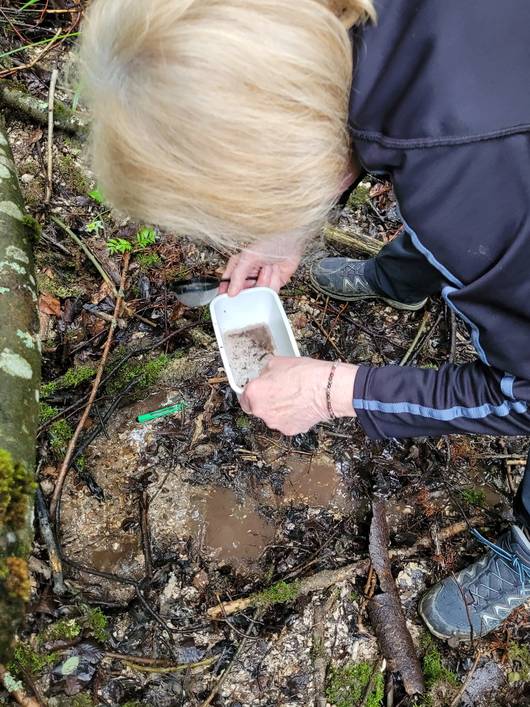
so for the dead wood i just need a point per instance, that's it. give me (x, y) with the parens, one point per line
(19, 383)
(386, 613)
(36, 110)
(316, 583)
(357, 241)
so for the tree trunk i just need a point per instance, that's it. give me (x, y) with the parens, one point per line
(19, 391)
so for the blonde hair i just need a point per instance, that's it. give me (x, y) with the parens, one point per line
(221, 119)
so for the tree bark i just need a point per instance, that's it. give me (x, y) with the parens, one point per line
(19, 391)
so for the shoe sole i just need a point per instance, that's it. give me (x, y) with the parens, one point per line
(357, 298)
(453, 639)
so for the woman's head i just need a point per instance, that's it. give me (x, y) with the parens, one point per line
(221, 119)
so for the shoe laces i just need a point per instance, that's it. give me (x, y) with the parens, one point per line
(510, 558)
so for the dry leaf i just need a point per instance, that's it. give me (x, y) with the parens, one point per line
(50, 305)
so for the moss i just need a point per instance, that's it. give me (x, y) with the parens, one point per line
(73, 175)
(242, 422)
(16, 579)
(148, 260)
(61, 289)
(46, 412)
(81, 700)
(359, 197)
(16, 490)
(347, 686)
(60, 433)
(73, 378)
(34, 228)
(27, 660)
(95, 622)
(63, 630)
(279, 593)
(147, 373)
(473, 497)
(434, 672)
(520, 658)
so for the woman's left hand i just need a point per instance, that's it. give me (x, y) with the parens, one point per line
(290, 393)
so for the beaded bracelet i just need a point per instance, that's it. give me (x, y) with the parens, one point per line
(328, 390)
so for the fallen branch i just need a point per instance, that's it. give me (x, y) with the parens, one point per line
(16, 689)
(386, 613)
(356, 241)
(36, 110)
(71, 447)
(291, 590)
(323, 580)
(51, 546)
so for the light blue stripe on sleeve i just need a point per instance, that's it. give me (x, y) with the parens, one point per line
(475, 335)
(444, 414)
(507, 385)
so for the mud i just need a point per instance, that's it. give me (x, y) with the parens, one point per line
(247, 350)
(315, 482)
(235, 532)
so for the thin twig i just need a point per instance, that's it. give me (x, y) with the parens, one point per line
(51, 43)
(95, 262)
(419, 333)
(151, 665)
(51, 103)
(222, 679)
(71, 447)
(470, 674)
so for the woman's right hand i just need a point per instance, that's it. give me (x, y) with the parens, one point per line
(270, 271)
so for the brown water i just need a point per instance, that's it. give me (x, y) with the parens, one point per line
(118, 554)
(235, 533)
(247, 350)
(314, 481)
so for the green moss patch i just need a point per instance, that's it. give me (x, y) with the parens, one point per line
(73, 378)
(347, 686)
(16, 490)
(279, 593)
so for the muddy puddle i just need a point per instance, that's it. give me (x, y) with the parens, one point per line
(235, 532)
(315, 482)
(247, 350)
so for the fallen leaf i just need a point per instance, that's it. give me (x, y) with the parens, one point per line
(50, 305)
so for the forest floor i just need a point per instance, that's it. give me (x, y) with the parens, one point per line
(160, 522)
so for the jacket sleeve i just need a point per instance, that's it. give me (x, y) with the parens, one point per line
(392, 401)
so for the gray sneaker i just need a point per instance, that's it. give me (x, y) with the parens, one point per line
(479, 598)
(344, 279)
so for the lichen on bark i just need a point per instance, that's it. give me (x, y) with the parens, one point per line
(19, 383)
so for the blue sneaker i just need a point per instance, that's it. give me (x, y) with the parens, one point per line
(478, 599)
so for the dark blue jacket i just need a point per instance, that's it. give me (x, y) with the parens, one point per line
(441, 102)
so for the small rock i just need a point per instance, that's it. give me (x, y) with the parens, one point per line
(486, 679)
(27, 178)
(201, 580)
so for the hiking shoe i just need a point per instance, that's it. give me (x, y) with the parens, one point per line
(344, 279)
(479, 598)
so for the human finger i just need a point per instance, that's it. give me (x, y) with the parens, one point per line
(276, 280)
(264, 277)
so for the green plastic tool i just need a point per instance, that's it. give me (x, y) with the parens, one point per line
(163, 412)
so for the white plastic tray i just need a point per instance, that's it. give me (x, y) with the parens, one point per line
(257, 305)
